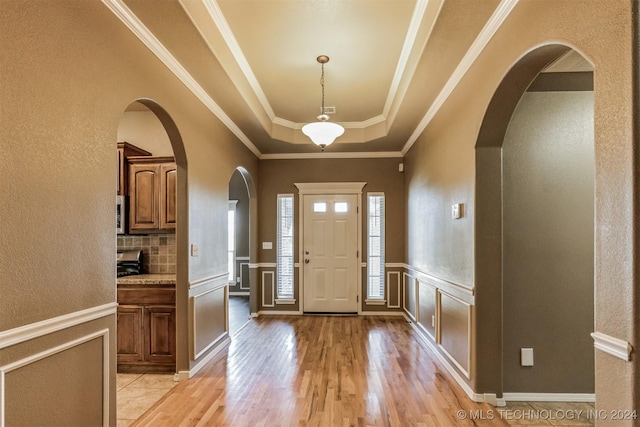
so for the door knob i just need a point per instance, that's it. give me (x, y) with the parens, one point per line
(306, 261)
(306, 252)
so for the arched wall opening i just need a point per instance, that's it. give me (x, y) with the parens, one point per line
(240, 232)
(164, 139)
(534, 240)
(252, 236)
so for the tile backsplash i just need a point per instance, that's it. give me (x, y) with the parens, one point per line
(158, 252)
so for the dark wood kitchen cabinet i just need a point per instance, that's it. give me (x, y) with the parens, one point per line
(126, 150)
(130, 333)
(146, 330)
(152, 195)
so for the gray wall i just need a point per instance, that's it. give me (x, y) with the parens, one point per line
(548, 222)
(380, 174)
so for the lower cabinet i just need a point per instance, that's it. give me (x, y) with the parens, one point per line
(146, 330)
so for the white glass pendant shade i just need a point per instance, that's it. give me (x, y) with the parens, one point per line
(322, 133)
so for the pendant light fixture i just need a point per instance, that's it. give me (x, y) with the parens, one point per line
(322, 132)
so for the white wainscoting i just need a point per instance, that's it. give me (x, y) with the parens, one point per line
(244, 276)
(45, 327)
(103, 334)
(454, 331)
(409, 296)
(450, 337)
(268, 289)
(204, 307)
(393, 289)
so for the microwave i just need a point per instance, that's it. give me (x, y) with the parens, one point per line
(121, 214)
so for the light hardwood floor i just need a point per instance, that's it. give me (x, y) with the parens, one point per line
(320, 371)
(238, 313)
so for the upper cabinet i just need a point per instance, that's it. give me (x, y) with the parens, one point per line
(126, 150)
(152, 194)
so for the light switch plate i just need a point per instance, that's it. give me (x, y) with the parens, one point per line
(195, 250)
(456, 211)
(267, 245)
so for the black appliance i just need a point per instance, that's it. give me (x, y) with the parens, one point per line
(129, 262)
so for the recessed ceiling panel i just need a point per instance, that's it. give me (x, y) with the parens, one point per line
(282, 38)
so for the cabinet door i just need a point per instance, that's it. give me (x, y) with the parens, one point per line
(144, 191)
(160, 334)
(168, 196)
(130, 333)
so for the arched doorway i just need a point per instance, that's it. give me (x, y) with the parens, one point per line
(242, 249)
(534, 232)
(148, 134)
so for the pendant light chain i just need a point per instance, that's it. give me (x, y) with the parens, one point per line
(322, 84)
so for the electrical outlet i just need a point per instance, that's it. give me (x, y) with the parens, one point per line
(526, 357)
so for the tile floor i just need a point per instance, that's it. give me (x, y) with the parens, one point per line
(138, 392)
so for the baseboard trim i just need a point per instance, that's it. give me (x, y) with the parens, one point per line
(277, 313)
(382, 313)
(180, 376)
(476, 397)
(550, 397)
(45, 327)
(221, 343)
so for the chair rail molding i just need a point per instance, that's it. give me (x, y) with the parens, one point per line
(613, 346)
(38, 329)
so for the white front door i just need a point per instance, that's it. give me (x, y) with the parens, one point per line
(330, 253)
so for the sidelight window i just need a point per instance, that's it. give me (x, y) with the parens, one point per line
(284, 261)
(231, 239)
(375, 247)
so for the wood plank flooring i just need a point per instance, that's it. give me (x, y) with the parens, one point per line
(320, 371)
(238, 313)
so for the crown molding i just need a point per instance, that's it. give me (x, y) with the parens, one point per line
(131, 21)
(397, 90)
(491, 27)
(223, 27)
(326, 155)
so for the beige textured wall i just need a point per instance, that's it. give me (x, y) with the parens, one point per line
(602, 32)
(70, 69)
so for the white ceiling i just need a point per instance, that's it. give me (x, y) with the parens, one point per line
(253, 63)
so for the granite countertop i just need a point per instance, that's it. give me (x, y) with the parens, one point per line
(148, 279)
